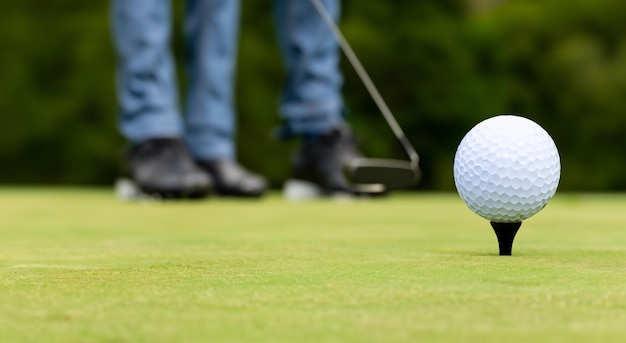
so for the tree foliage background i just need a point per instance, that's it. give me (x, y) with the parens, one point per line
(442, 66)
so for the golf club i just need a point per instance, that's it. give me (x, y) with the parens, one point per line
(391, 173)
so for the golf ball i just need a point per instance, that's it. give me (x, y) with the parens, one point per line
(507, 168)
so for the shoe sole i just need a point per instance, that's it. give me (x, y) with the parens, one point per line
(301, 190)
(227, 193)
(128, 190)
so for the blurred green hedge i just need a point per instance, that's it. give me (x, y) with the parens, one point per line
(442, 66)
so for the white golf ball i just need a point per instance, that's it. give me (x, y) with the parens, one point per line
(507, 168)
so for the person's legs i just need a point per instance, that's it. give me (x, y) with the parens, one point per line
(311, 102)
(145, 75)
(157, 160)
(212, 29)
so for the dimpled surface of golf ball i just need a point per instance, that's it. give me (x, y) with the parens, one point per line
(507, 168)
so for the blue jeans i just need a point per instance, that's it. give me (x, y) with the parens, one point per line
(311, 102)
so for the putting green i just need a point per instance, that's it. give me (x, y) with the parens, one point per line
(76, 265)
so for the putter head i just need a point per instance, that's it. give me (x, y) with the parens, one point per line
(392, 174)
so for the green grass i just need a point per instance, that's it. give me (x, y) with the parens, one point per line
(80, 266)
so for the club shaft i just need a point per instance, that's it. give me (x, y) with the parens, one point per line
(367, 82)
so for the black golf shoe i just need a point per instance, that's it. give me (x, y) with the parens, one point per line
(319, 168)
(163, 168)
(231, 179)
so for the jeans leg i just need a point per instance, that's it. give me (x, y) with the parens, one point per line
(146, 81)
(212, 29)
(311, 102)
